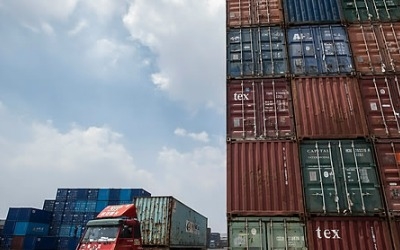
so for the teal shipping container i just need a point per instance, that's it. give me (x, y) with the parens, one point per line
(340, 178)
(371, 10)
(266, 233)
(168, 223)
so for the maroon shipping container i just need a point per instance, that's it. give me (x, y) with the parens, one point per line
(376, 47)
(242, 13)
(264, 179)
(17, 242)
(259, 109)
(395, 231)
(328, 108)
(388, 158)
(334, 233)
(381, 97)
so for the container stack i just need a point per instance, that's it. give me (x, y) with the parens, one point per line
(264, 191)
(313, 130)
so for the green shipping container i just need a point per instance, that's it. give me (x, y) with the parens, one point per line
(371, 10)
(266, 233)
(340, 178)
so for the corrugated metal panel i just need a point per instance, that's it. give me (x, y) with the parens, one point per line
(263, 178)
(340, 178)
(167, 222)
(388, 157)
(376, 48)
(381, 97)
(371, 10)
(256, 52)
(316, 50)
(241, 13)
(394, 223)
(333, 233)
(267, 233)
(259, 109)
(311, 11)
(328, 107)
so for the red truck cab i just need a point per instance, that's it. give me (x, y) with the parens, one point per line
(115, 228)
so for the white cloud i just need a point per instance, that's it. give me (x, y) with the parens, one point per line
(47, 29)
(160, 81)
(202, 136)
(81, 25)
(189, 39)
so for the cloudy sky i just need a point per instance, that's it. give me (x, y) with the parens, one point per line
(113, 94)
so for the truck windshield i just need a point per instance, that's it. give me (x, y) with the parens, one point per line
(100, 234)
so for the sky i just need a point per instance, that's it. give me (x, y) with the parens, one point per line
(113, 94)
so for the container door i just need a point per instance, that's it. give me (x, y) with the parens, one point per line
(371, 10)
(266, 233)
(241, 60)
(271, 51)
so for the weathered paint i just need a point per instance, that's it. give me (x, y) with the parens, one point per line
(264, 178)
(388, 158)
(375, 47)
(381, 98)
(167, 222)
(333, 233)
(340, 178)
(328, 107)
(256, 52)
(319, 50)
(311, 11)
(394, 223)
(267, 233)
(242, 13)
(259, 109)
(371, 10)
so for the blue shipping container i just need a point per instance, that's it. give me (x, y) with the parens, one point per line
(48, 205)
(42, 243)
(104, 194)
(256, 52)
(62, 194)
(8, 228)
(67, 243)
(319, 50)
(125, 194)
(29, 214)
(31, 228)
(312, 11)
(100, 205)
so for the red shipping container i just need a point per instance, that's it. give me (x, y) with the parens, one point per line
(259, 109)
(381, 97)
(334, 233)
(388, 158)
(242, 13)
(375, 47)
(264, 179)
(395, 231)
(328, 108)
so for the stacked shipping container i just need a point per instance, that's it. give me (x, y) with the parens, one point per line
(313, 130)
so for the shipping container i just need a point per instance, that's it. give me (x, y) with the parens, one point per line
(267, 233)
(242, 13)
(62, 194)
(328, 108)
(311, 11)
(259, 109)
(319, 50)
(48, 205)
(67, 243)
(264, 178)
(256, 52)
(375, 47)
(340, 178)
(371, 10)
(28, 214)
(23, 228)
(388, 158)
(333, 233)
(167, 222)
(381, 98)
(394, 223)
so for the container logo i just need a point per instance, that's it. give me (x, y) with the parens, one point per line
(327, 233)
(241, 97)
(192, 227)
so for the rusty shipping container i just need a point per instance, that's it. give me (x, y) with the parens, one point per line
(375, 47)
(264, 179)
(334, 233)
(328, 108)
(381, 98)
(394, 223)
(259, 109)
(388, 158)
(340, 178)
(242, 13)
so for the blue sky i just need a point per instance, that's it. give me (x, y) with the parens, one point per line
(113, 93)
